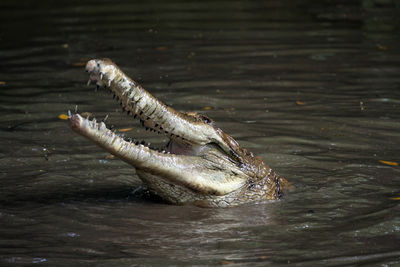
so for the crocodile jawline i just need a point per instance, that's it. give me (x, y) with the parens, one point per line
(201, 164)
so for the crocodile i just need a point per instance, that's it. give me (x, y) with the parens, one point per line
(201, 164)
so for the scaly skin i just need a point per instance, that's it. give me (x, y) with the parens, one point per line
(202, 165)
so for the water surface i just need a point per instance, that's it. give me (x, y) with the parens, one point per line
(310, 86)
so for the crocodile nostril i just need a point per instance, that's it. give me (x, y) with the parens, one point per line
(91, 65)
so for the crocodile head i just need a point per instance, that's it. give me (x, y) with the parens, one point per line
(200, 165)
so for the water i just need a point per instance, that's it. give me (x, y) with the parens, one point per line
(310, 86)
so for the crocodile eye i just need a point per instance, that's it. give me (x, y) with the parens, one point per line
(205, 118)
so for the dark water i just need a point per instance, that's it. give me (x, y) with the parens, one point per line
(313, 87)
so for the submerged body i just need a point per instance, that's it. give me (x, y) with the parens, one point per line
(201, 165)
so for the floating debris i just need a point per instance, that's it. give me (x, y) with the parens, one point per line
(382, 47)
(111, 156)
(63, 117)
(390, 163)
(125, 130)
(161, 48)
(79, 64)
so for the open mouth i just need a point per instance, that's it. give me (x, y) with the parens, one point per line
(196, 150)
(188, 133)
(137, 102)
(199, 162)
